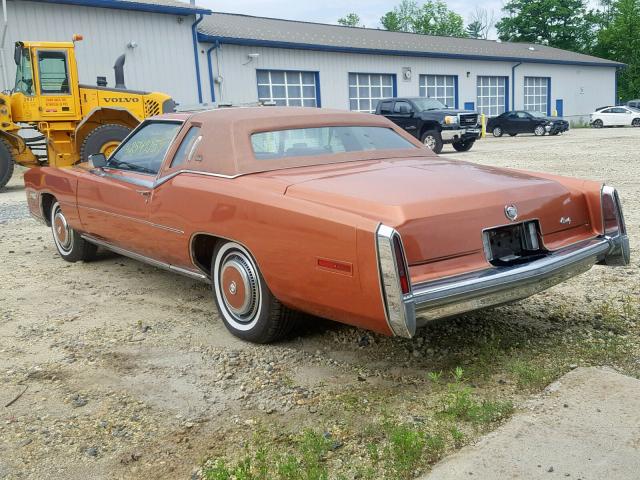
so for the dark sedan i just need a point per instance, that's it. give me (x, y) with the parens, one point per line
(520, 121)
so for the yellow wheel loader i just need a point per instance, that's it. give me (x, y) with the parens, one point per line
(50, 119)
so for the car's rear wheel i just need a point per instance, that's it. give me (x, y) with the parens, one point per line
(497, 131)
(464, 146)
(597, 124)
(636, 122)
(247, 307)
(432, 140)
(538, 131)
(71, 246)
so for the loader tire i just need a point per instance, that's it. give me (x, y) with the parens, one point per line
(103, 139)
(6, 162)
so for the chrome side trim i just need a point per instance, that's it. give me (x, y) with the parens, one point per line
(399, 309)
(166, 178)
(498, 285)
(134, 181)
(148, 260)
(137, 220)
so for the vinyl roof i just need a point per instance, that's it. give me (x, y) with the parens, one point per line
(271, 32)
(175, 7)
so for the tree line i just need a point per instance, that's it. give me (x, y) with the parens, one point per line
(611, 30)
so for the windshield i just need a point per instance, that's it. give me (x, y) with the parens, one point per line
(305, 142)
(537, 114)
(24, 74)
(144, 151)
(423, 104)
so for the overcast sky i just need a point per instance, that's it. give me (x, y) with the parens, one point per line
(328, 11)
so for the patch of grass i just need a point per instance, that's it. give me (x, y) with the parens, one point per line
(305, 462)
(529, 375)
(460, 404)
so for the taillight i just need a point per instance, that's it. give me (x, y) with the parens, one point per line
(403, 275)
(395, 283)
(612, 219)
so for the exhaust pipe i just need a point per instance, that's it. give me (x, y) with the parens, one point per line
(119, 71)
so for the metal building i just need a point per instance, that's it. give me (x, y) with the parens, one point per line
(157, 36)
(301, 63)
(202, 57)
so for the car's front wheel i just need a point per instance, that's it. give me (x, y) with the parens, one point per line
(432, 140)
(71, 246)
(463, 146)
(247, 307)
(497, 131)
(597, 124)
(538, 131)
(635, 122)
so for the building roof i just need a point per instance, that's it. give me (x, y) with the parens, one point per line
(174, 7)
(271, 32)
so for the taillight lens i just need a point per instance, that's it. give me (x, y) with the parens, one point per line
(403, 275)
(613, 221)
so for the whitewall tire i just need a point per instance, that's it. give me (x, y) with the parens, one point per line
(247, 307)
(70, 245)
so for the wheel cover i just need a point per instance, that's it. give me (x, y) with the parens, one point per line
(237, 286)
(62, 232)
(108, 148)
(430, 142)
(539, 131)
(497, 132)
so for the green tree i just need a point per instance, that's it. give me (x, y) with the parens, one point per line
(474, 29)
(565, 24)
(431, 18)
(350, 20)
(620, 41)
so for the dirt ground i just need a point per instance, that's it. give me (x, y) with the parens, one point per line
(129, 373)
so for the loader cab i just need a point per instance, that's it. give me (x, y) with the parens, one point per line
(46, 86)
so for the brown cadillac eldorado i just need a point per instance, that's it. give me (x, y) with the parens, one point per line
(336, 214)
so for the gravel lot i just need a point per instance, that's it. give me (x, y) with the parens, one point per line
(129, 373)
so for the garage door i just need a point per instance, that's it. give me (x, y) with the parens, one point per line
(440, 87)
(288, 88)
(536, 94)
(492, 95)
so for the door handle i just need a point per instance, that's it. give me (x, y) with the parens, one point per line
(144, 193)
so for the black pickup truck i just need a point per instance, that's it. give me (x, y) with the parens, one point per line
(432, 122)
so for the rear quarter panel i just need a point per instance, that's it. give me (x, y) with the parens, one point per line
(286, 236)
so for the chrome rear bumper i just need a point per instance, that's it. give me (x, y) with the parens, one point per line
(498, 285)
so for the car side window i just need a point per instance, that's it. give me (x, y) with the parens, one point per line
(618, 110)
(187, 147)
(144, 151)
(522, 115)
(606, 110)
(385, 108)
(512, 115)
(402, 108)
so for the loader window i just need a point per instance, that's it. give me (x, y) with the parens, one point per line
(54, 76)
(24, 73)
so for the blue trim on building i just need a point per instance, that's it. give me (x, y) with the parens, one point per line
(513, 85)
(203, 37)
(316, 76)
(549, 96)
(210, 67)
(560, 107)
(394, 83)
(469, 106)
(455, 88)
(137, 6)
(194, 32)
(506, 93)
(318, 97)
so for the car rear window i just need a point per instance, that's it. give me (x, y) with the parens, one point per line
(304, 142)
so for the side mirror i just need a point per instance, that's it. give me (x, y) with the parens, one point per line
(97, 160)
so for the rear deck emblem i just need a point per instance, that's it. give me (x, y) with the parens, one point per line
(511, 211)
(565, 220)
